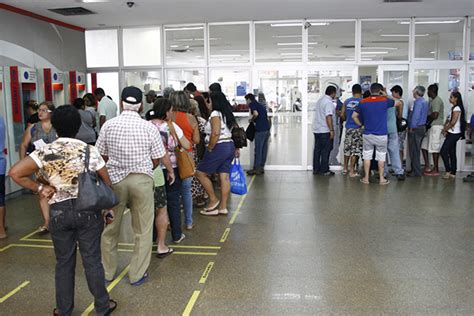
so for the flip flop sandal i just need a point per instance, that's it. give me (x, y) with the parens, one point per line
(384, 182)
(363, 181)
(211, 208)
(164, 254)
(43, 230)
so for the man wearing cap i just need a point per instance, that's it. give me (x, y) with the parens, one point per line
(150, 98)
(132, 148)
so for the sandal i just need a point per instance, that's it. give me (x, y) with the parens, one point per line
(211, 208)
(161, 255)
(112, 306)
(363, 181)
(384, 182)
(43, 230)
(354, 175)
(344, 172)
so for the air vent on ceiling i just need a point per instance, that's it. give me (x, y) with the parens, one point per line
(72, 11)
(395, 1)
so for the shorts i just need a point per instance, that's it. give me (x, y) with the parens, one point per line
(2, 190)
(219, 160)
(160, 197)
(353, 142)
(402, 136)
(380, 144)
(433, 139)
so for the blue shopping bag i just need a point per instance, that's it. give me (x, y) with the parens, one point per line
(238, 182)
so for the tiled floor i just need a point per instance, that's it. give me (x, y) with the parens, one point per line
(299, 245)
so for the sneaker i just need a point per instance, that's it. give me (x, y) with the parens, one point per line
(328, 174)
(400, 177)
(251, 172)
(259, 172)
(180, 239)
(141, 281)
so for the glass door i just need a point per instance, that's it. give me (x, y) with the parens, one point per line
(469, 106)
(318, 80)
(282, 93)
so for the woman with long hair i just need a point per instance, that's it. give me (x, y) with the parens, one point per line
(454, 130)
(219, 154)
(171, 135)
(181, 115)
(36, 136)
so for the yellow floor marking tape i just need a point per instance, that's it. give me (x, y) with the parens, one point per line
(29, 235)
(180, 246)
(206, 273)
(36, 240)
(242, 200)
(6, 297)
(225, 235)
(33, 246)
(90, 308)
(191, 303)
(6, 247)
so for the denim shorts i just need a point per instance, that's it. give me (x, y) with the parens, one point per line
(219, 160)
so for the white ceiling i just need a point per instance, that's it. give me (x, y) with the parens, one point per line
(149, 12)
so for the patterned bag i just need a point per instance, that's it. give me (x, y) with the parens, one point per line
(186, 166)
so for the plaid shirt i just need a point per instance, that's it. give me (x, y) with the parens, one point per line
(130, 143)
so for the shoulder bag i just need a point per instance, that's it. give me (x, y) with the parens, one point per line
(93, 193)
(186, 166)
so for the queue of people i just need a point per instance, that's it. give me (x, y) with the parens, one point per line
(376, 130)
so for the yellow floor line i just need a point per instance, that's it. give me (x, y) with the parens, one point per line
(33, 246)
(29, 235)
(6, 247)
(179, 246)
(206, 272)
(191, 303)
(6, 297)
(242, 200)
(225, 235)
(90, 308)
(195, 253)
(37, 240)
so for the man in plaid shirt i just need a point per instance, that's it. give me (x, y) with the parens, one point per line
(132, 148)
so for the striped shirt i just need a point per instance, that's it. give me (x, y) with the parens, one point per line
(130, 143)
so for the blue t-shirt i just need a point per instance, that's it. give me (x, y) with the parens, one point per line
(261, 123)
(472, 122)
(351, 105)
(373, 111)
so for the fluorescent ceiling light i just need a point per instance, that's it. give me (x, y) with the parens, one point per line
(224, 56)
(432, 52)
(375, 53)
(293, 36)
(289, 48)
(320, 24)
(383, 48)
(402, 35)
(286, 24)
(174, 46)
(190, 28)
(432, 22)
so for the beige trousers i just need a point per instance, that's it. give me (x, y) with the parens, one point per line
(136, 190)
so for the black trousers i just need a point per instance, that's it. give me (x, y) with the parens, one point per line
(448, 152)
(70, 229)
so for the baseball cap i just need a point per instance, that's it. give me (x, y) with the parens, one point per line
(151, 93)
(132, 95)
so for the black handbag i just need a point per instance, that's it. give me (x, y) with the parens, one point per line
(93, 193)
(250, 131)
(239, 137)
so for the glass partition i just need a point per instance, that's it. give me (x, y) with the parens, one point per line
(469, 106)
(98, 42)
(439, 39)
(318, 81)
(225, 49)
(142, 46)
(385, 40)
(109, 81)
(471, 55)
(178, 78)
(331, 41)
(278, 42)
(184, 45)
(146, 81)
(281, 92)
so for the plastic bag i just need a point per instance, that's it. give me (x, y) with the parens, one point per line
(238, 182)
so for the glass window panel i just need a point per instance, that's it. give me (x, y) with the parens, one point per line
(469, 104)
(385, 40)
(331, 41)
(184, 45)
(283, 97)
(225, 49)
(471, 55)
(102, 48)
(278, 43)
(109, 82)
(146, 81)
(318, 81)
(439, 39)
(178, 78)
(141, 46)
(235, 83)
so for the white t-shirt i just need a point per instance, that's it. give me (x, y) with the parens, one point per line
(226, 134)
(457, 127)
(107, 108)
(324, 107)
